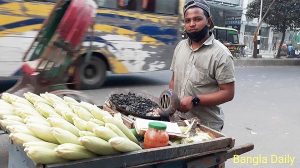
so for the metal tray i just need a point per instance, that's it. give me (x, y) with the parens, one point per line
(116, 107)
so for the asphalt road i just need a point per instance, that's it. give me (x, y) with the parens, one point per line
(265, 111)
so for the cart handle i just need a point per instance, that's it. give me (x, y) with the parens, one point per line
(239, 150)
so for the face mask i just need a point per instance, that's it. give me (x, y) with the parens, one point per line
(198, 35)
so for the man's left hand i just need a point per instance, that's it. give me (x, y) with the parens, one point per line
(186, 104)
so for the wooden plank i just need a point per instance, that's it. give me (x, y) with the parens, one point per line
(151, 156)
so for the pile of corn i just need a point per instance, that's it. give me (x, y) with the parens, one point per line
(54, 129)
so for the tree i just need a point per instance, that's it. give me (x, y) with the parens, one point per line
(283, 15)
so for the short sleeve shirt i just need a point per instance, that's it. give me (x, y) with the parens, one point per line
(200, 72)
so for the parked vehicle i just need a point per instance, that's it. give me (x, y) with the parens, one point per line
(126, 39)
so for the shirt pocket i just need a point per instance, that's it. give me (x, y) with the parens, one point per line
(199, 76)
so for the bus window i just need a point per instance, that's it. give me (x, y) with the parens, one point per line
(127, 4)
(107, 4)
(169, 7)
(148, 5)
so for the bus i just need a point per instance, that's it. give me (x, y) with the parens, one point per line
(129, 36)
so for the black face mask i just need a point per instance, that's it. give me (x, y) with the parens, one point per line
(198, 35)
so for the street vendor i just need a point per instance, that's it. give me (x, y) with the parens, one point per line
(203, 69)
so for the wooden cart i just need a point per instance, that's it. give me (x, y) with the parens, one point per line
(206, 154)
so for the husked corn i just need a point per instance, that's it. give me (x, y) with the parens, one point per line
(86, 133)
(4, 104)
(34, 98)
(104, 133)
(70, 100)
(61, 123)
(25, 112)
(10, 98)
(43, 155)
(123, 144)
(90, 126)
(115, 129)
(97, 145)
(122, 127)
(81, 112)
(60, 108)
(95, 111)
(36, 120)
(5, 111)
(43, 132)
(19, 128)
(21, 138)
(12, 117)
(64, 136)
(51, 98)
(98, 122)
(73, 152)
(41, 144)
(80, 123)
(45, 109)
(5, 123)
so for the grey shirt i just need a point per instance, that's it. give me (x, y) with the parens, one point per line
(200, 72)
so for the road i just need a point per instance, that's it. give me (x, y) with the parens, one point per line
(265, 111)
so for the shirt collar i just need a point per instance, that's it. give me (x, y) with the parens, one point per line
(207, 42)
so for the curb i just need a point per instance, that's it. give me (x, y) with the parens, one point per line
(267, 62)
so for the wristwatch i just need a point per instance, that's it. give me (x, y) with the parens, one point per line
(196, 101)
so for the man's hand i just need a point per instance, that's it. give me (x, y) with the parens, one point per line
(186, 104)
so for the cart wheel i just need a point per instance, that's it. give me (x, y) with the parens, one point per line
(90, 74)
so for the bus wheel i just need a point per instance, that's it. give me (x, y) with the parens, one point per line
(90, 74)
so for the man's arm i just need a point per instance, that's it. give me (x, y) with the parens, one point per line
(225, 94)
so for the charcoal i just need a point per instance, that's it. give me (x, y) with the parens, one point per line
(133, 103)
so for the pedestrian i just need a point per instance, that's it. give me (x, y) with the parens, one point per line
(203, 70)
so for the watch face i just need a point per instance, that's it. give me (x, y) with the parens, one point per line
(196, 101)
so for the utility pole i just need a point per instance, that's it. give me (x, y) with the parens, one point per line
(256, 37)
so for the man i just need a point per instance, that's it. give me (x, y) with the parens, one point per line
(203, 70)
